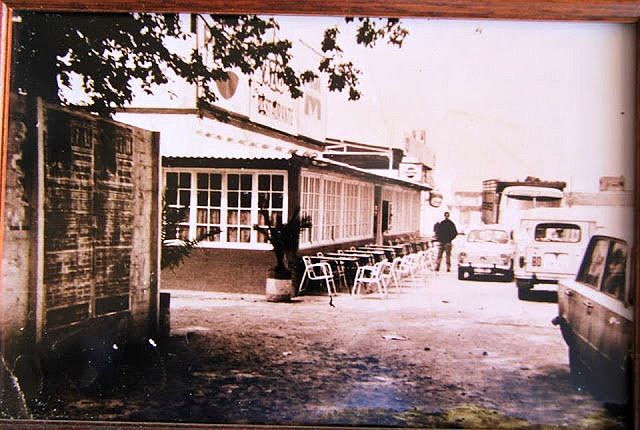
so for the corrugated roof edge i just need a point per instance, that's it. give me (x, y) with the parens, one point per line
(377, 176)
(170, 161)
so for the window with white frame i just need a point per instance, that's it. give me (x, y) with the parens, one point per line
(310, 206)
(406, 209)
(350, 224)
(341, 209)
(365, 210)
(239, 193)
(332, 208)
(226, 205)
(271, 199)
(178, 196)
(209, 206)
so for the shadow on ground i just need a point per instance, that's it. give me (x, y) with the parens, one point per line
(203, 378)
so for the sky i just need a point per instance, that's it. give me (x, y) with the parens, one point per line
(498, 99)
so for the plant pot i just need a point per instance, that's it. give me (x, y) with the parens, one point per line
(279, 290)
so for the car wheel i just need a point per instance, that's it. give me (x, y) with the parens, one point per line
(577, 370)
(508, 277)
(524, 288)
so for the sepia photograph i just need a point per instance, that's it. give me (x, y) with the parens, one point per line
(328, 220)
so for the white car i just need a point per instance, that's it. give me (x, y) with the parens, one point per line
(550, 248)
(487, 251)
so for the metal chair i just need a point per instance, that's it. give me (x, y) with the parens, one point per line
(320, 271)
(406, 266)
(371, 275)
(392, 273)
(340, 271)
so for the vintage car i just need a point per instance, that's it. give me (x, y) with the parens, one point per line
(595, 315)
(549, 247)
(485, 250)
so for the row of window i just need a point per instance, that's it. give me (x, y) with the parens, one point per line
(340, 209)
(222, 206)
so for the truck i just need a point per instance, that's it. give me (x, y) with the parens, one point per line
(503, 201)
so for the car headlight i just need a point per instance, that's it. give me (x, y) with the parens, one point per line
(505, 258)
(462, 256)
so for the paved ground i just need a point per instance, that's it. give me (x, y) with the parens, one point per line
(443, 353)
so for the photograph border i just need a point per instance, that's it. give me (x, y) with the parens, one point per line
(617, 11)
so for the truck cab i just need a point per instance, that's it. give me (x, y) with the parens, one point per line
(516, 199)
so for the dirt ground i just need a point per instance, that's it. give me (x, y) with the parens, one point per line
(441, 353)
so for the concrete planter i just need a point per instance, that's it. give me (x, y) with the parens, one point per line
(279, 290)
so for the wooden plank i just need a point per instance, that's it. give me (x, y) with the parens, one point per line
(599, 10)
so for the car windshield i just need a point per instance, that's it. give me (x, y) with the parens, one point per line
(488, 235)
(557, 232)
(530, 202)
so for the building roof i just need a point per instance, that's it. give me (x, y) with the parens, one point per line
(282, 161)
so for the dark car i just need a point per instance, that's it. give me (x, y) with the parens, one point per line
(595, 314)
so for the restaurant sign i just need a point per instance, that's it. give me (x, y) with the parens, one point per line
(271, 103)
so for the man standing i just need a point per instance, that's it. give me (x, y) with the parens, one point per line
(445, 232)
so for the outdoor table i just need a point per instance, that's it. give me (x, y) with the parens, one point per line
(363, 258)
(404, 246)
(390, 251)
(345, 264)
(378, 254)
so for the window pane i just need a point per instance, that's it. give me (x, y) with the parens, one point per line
(245, 217)
(276, 217)
(245, 235)
(172, 180)
(185, 197)
(172, 233)
(183, 232)
(202, 198)
(232, 200)
(557, 232)
(172, 197)
(592, 267)
(262, 237)
(232, 217)
(246, 182)
(185, 180)
(232, 234)
(233, 182)
(203, 181)
(263, 200)
(615, 272)
(201, 232)
(202, 216)
(214, 216)
(245, 200)
(276, 201)
(216, 181)
(263, 182)
(214, 198)
(277, 183)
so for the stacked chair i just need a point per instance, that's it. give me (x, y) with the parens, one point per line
(379, 267)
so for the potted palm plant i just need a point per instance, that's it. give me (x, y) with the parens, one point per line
(284, 238)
